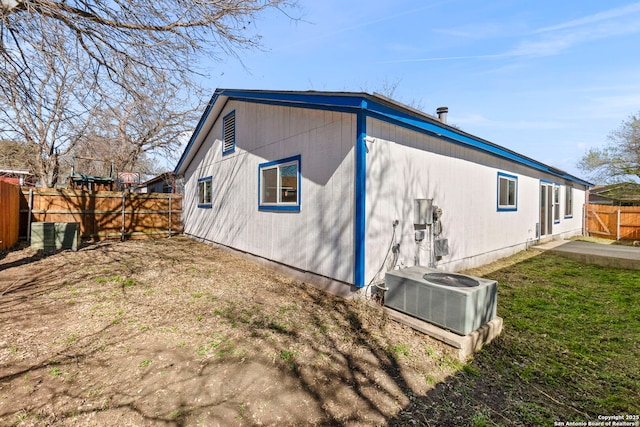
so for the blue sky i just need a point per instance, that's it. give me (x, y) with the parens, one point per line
(548, 79)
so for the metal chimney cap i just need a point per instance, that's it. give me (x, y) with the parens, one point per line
(442, 114)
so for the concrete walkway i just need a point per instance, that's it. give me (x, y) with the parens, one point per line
(595, 253)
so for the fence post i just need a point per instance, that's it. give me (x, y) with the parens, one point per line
(170, 225)
(123, 205)
(29, 216)
(618, 226)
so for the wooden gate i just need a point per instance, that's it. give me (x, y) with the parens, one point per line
(613, 222)
(9, 214)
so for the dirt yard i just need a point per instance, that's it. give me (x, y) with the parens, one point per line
(177, 332)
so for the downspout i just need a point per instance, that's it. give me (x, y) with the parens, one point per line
(360, 196)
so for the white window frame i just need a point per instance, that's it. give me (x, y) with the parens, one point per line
(556, 204)
(568, 201)
(512, 183)
(204, 196)
(278, 166)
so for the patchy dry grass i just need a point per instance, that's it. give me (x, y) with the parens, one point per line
(176, 332)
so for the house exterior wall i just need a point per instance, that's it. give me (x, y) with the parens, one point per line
(362, 164)
(403, 164)
(320, 237)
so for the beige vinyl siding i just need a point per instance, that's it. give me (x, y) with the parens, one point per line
(319, 238)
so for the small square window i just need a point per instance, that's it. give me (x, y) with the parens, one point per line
(507, 192)
(279, 184)
(204, 192)
(229, 133)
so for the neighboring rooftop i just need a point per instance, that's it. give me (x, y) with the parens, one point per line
(619, 194)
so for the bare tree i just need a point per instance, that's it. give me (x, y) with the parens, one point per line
(148, 36)
(64, 63)
(129, 128)
(16, 154)
(619, 160)
(388, 88)
(49, 113)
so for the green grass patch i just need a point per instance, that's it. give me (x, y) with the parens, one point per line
(572, 331)
(278, 327)
(568, 352)
(284, 309)
(399, 349)
(219, 346)
(128, 282)
(125, 282)
(288, 356)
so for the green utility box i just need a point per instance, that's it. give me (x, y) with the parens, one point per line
(55, 235)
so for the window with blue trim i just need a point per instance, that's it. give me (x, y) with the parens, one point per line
(507, 192)
(229, 133)
(204, 192)
(279, 184)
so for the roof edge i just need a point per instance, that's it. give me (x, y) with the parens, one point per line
(377, 105)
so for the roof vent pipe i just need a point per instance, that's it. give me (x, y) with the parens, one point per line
(442, 114)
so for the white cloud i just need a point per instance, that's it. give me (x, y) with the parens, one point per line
(592, 19)
(550, 40)
(478, 31)
(442, 58)
(558, 38)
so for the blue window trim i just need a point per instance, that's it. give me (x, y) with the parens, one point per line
(205, 205)
(360, 194)
(233, 147)
(287, 207)
(509, 208)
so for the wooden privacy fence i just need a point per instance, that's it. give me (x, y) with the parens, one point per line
(613, 222)
(103, 214)
(9, 215)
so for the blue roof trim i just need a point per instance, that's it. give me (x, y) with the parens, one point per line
(376, 107)
(196, 132)
(312, 98)
(457, 137)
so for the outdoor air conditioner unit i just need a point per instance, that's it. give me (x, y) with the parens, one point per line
(55, 235)
(452, 301)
